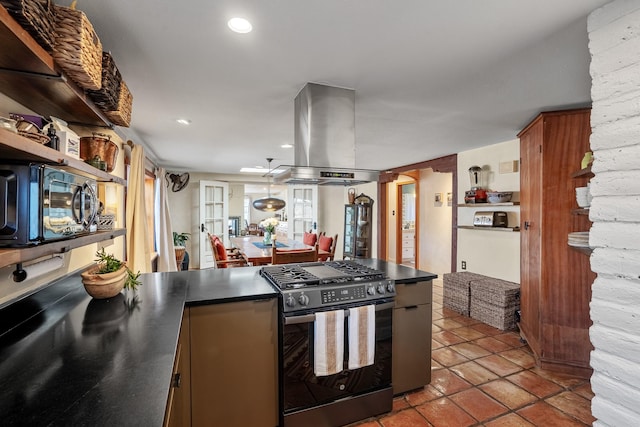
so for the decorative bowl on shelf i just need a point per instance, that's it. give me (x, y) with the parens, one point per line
(499, 196)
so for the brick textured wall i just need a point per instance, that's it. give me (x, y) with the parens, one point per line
(614, 43)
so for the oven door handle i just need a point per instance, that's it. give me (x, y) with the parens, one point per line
(308, 318)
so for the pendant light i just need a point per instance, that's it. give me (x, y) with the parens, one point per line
(269, 204)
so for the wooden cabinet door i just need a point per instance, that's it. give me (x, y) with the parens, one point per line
(412, 336)
(411, 347)
(178, 412)
(234, 359)
(531, 173)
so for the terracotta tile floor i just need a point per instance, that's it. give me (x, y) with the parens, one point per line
(482, 376)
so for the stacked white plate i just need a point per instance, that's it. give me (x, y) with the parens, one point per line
(579, 239)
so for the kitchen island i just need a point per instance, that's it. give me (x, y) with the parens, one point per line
(67, 359)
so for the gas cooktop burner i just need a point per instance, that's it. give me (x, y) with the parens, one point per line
(295, 276)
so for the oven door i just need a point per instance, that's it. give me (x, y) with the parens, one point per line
(69, 204)
(303, 390)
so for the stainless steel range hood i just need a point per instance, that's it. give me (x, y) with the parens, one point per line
(324, 148)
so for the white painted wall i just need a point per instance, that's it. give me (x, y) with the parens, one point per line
(614, 42)
(435, 222)
(493, 253)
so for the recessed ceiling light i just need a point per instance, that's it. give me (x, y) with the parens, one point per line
(286, 146)
(240, 25)
(184, 121)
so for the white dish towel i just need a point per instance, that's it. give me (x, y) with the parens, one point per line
(362, 336)
(328, 343)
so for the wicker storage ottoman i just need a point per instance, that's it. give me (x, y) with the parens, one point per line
(456, 293)
(495, 302)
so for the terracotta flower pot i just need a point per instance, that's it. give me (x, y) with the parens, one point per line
(180, 251)
(107, 285)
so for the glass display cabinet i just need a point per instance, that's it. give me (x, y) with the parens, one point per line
(357, 228)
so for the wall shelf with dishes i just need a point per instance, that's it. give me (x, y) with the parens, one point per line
(579, 240)
(480, 205)
(502, 229)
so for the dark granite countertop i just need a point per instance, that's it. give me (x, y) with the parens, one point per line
(67, 359)
(397, 272)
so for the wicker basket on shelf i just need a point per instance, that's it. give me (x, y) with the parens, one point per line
(106, 221)
(35, 16)
(107, 97)
(78, 50)
(121, 116)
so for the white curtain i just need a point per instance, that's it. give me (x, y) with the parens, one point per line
(138, 250)
(164, 231)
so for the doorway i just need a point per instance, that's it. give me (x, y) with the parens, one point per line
(406, 224)
(442, 249)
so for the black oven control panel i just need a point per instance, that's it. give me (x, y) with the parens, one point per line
(322, 296)
(343, 294)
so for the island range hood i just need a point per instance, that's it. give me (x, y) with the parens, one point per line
(325, 150)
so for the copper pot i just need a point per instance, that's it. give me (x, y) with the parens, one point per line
(99, 145)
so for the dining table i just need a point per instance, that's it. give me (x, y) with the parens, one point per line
(255, 252)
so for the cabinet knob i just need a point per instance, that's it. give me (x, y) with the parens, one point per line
(526, 225)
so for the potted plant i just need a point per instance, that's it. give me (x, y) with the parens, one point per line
(108, 277)
(179, 240)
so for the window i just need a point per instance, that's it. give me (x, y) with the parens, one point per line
(149, 206)
(247, 211)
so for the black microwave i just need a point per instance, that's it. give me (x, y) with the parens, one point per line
(41, 203)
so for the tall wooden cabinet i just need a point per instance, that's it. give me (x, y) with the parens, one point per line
(556, 279)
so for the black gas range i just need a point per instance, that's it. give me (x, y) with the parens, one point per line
(307, 399)
(319, 285)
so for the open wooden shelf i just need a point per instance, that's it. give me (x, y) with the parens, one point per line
(583, 173)
(480, 205)
(584, 250)
(29, 75)
(17, 147)
(503, 229)
(9, 256)
(580, 211)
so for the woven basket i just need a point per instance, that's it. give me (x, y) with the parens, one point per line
(503, 318)
(106, 222)
(35, 16)
(495, 302)
(456, 292)
(107, 97)
(77, 49)
(122, 115)
(495, 291)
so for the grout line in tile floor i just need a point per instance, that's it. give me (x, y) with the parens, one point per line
(482, 376)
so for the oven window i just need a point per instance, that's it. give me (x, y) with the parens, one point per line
(302, 389)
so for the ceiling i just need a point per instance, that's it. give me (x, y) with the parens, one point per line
(432, 78)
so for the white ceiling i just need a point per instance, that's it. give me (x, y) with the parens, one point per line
(432, 77)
